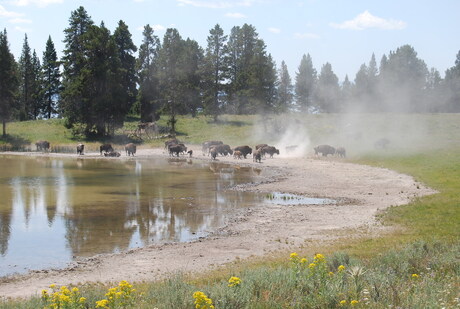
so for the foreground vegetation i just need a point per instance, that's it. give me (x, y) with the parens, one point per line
(417, 266)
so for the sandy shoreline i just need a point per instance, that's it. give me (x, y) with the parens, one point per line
(361, 190)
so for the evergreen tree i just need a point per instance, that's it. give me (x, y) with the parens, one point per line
(191, 64)
(452, 87)
(305, 84)
(346, 94)
(36, 87)
(8, 81)
(285, 89)
(214, 71)
(361, 88)
(402, 80)
(27, 78)
(126, 48)
(327, 91)
(171, 74)
(74, 103)
(148, 101)
(51, 80)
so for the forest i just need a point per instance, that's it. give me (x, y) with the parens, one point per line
(103, 77)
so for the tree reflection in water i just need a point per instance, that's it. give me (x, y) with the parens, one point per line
(52, 209)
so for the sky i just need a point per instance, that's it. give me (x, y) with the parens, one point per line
(344, 33)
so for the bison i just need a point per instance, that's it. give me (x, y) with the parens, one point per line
(213, 153)
(223, 149)
(237, 154)
(260, 146)
(341, 152)
(257, 156)
(245, 150)
(208, 144)
(42, 145)
(130, 149)
(106, 148)
(324, 150)
(271, 150)
(80, 149)
(112, 154)
(171, 142)
(177, 149)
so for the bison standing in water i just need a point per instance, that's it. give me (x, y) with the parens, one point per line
(106, 148)
(42, 145)
(130, 149)
(80, 149)
(324, 150)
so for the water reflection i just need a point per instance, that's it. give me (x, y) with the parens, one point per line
(52, 210)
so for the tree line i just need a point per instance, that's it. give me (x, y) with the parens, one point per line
(99, 81)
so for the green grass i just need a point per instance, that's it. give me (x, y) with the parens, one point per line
(425, 242)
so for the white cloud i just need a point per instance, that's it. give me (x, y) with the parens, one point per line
(20, 21)
(274, 30)
(299, 35)
(366, 20)
(40, 3)
(235, 15)
(9, 14)
(22, 29)
(158, 27)
(216, 4)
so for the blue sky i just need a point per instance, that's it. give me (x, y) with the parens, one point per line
(344, 33)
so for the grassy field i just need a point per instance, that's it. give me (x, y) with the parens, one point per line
(418, 266)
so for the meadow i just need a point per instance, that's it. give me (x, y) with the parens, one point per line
(416, 266)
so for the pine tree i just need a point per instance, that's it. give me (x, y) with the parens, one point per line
(327, 92)
(214, 72)
(126, 48)
(148, 102)
(285, 89)
(305, 84)
(26, 71)
(8, 81)
(51, 80)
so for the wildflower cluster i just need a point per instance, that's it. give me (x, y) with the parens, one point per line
(63, 298)
(234, 281)
(122, 296)
(202, 301)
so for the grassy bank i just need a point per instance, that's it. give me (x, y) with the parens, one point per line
(418, 266)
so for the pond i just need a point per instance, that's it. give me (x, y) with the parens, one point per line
(53, 210)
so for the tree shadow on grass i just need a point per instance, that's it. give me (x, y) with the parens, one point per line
(236, 123)
(14, 143)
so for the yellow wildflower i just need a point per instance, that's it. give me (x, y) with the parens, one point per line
(234, 281)
(415, 276)
(294, 256)
(343, 303)
(82, 300)
(52, 286)
(202, 301)
(312, 265)
(319, 257)
(341, 268)
(354, 302)
(303, 261)
(331, 274)
(102, 303)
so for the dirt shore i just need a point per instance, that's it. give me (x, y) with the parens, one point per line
(361, 191)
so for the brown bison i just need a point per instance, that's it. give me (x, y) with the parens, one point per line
(271, 150)
(130, 149)
(177, 149)
(171, 142)
(341, 152)
(112, 154)
(80, 149)
(245, 150)
(223, 149)
(260, 146)
(237, 154)
(324, 150)
(208, 144)
(106, 148)
(257, 156)
(42, 146)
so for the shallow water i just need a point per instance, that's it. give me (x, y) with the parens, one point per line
(55, 209)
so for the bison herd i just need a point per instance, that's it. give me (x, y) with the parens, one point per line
(215, 149)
